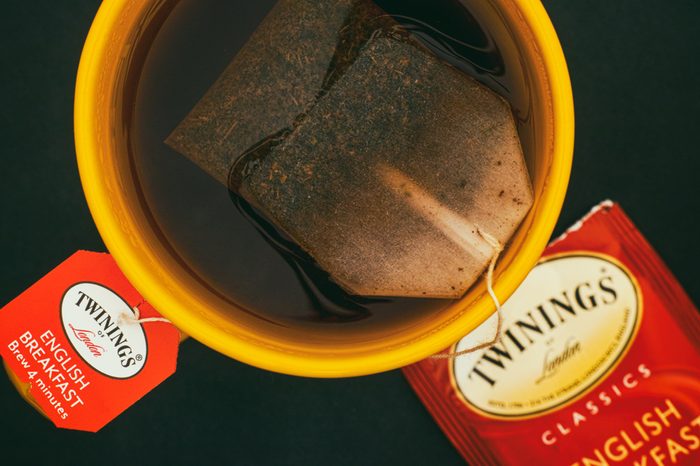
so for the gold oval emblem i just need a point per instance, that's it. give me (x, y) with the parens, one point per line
(566, 327)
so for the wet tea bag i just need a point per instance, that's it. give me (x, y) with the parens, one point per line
(391, 175)
(293, 56)
(391, 178)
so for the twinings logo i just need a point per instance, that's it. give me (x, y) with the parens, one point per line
(564, 329)
(90, 314)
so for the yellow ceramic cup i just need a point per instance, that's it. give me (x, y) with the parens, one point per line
(526, 37)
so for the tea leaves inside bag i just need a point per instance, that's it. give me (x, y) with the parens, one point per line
(377, 158)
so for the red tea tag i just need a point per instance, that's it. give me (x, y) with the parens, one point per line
(75, 338)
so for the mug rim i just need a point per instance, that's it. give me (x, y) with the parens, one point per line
(151, 278)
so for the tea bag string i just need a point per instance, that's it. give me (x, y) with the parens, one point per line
(497, 249)
(136, 318)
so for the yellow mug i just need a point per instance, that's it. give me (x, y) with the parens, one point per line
(527, 40)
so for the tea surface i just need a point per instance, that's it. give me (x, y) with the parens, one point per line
(218, 236)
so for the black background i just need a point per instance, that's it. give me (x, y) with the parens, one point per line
(634, 69)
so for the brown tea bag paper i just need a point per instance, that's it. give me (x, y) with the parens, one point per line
(386, 178)
(298, 50)
(391, 174)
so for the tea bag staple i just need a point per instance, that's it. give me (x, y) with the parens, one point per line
(297, 51)
(388, 178)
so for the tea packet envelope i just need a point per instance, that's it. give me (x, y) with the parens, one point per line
(391, 177)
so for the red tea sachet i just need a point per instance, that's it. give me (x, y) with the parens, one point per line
(598, 362)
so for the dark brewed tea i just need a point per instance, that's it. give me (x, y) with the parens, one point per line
(224, 241)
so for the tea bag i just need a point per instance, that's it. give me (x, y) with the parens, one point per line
(391, 175)
(293, 56)
(385, 167)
